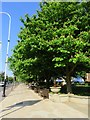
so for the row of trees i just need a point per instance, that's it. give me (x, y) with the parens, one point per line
(9, 79)
(2, 76)
(54, 42)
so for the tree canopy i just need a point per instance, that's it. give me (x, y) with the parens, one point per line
(54, 42)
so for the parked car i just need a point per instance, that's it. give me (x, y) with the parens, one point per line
(61, 80)
(1, 84)
(78, 79)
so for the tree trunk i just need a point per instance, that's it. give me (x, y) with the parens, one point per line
(47, 81)
(69, 88)
(47, 77)
(47, 84)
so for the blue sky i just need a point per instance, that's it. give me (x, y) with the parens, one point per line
(16, 10)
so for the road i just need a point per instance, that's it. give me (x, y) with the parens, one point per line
(1, 89)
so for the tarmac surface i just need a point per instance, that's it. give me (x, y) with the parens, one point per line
(23, 102)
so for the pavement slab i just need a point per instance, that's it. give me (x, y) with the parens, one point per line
(23, 102)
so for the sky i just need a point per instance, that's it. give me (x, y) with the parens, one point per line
(16, 10)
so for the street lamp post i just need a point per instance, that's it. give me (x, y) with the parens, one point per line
(3, 95)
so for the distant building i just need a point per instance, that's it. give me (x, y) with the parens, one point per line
(88, 77)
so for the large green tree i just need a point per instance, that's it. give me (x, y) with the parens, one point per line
(54, 42)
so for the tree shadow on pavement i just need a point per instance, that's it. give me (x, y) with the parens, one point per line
(20, 105)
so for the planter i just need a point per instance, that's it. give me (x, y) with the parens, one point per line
(44, 93)
(55, 89)
(36, 89)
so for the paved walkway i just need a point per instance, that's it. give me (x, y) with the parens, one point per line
(24, 103)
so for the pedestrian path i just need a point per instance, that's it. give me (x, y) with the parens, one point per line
(24, 103)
